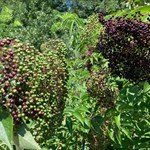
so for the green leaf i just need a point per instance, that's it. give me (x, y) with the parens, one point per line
(146, 87)
(79, 117)
(6, 15)
(69, 124)
(87, 123)
(56, 26)
(117, 120)
(137, 126)
(96, 123)
(6, 128)
(142, 9)
(91, 60)
(82, 109)
(68, 110)
(95, 57)
(17, 23)
(148, 123)
(121, 12)
(126, 132)
(111, 134)
(71, 28)
(24, 139)
(118, 136)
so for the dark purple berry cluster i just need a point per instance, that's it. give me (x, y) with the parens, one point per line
(8, 78)
(33, 86)
(125, 42)
(3, 42)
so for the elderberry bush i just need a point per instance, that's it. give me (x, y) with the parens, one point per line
(125, 42)
(33, 87)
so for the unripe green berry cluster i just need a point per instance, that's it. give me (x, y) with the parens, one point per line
(55, 45)
(90, 32)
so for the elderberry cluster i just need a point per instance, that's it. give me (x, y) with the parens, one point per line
(98, 86)
(33, 87)
(54, 45)
(91, 30)
(125, 42)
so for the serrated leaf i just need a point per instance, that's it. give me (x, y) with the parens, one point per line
(6, 128)
(24, 139)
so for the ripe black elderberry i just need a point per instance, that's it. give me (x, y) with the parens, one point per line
(125, 43)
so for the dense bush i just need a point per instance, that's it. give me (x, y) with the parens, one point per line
(79, 90)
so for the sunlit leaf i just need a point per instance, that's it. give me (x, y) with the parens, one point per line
(79, 117)
(146, 87)
(82, 108)
(126, 132)
(91, 60)
(117, 120)
(87, 123)
(111, 134)
(142, 9)
(24, 139)
(17, 23)
(68, 110)
(6, 128)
